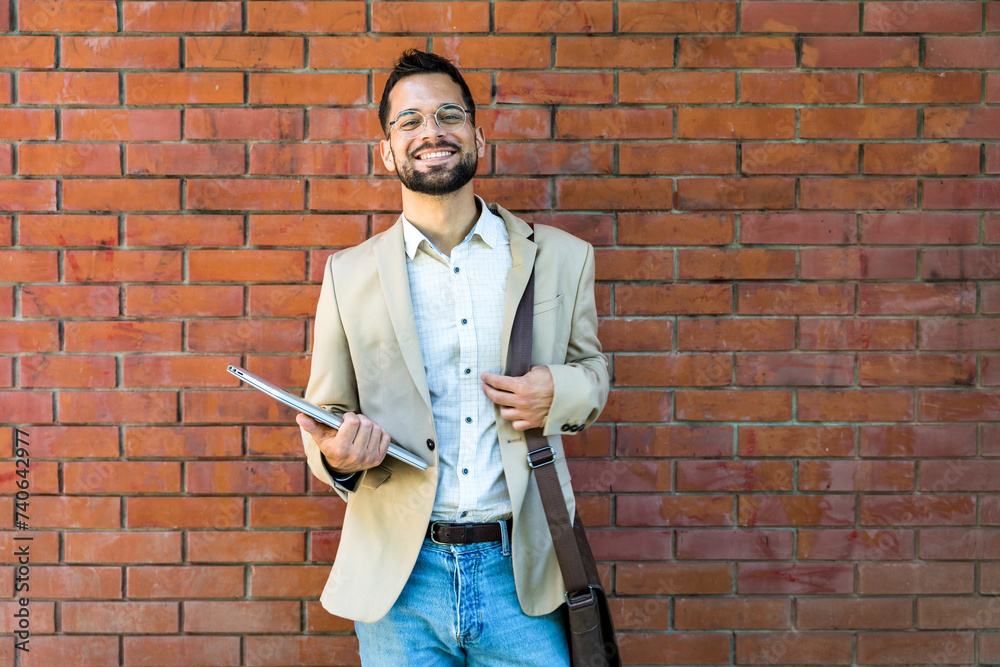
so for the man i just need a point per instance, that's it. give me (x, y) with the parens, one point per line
(453, 565)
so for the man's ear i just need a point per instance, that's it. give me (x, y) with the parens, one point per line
(386, 152)
(480, 141)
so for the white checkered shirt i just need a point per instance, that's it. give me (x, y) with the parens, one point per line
(458, 304)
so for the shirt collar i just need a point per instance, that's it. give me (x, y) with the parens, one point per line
(490, 228)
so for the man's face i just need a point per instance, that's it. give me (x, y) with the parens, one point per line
(434, 162)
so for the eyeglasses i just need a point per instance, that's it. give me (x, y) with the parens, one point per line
(450, 118)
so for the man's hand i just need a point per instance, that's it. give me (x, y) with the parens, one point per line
(359, 444)
(524, 401)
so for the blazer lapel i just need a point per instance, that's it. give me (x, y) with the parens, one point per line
(522, 252)
(390, 259)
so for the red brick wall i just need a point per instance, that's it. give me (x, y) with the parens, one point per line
(795, 209)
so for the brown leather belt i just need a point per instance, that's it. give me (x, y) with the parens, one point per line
(466, 533)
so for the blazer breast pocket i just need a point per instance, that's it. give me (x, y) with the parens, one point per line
(548, 305)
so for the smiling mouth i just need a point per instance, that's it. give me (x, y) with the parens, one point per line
(435, 154)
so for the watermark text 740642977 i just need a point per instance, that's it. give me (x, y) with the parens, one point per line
(22, 543)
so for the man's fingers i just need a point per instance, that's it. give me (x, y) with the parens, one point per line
(501, 382)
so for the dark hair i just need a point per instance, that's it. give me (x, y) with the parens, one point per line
(418, 62)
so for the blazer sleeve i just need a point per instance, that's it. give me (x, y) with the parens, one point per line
(581, 382)
(332, 382)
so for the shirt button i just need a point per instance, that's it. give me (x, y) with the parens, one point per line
(464, 514)
(465, 471)
(456, 269)
(468, 420)
(468, 370)
(465, 321)
(430, 444)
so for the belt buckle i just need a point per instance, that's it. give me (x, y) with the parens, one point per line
(434, 539)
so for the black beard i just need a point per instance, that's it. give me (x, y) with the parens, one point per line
(440, 180)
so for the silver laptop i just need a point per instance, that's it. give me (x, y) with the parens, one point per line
(317, 413)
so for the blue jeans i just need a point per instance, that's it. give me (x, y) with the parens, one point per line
(459, 607)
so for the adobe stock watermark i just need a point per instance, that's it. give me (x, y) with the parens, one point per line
(22, 543)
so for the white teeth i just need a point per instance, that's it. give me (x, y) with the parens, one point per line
(427, 156)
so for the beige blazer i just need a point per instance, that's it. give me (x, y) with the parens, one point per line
(367, 359)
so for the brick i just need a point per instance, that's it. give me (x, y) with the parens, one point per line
(798, 88)
(246, 265)
(800, 648)
(918, 510)
(65, 88)
(854, 405)
(677, 87)
(554, 159)
(122, 336)
(701, 370)
(732, 405)
(623, 544)
(956, 613)
(308, 159)
(803, 299)
(67, 230)
(172, 371)
(918, 441)
(120, 194)
(273, 441)
(853, 193)
(676, 229)
(733, 193)
(183, 442)
(120, 617)
(673, 299)
(852, 544)
(634, 264)
(49, 441)
(733, 544)
(494, 52)
(921, 88)
(735, 334)
(736, 52)
(637, 405)
(182, 16)
(27, 52)
(860, 123)
(121, 124)
(734, 476)
(742, 614)
(403, 17)
(800, 17)
(609, 123)
(308, 230)
(356, 195)
(183, 88)
(26, 124)
(25, 195)
(318, 512)
(856, 476)
(110, 407)
(917, 298)
(964, 194)
(958, 475)
(554, 88)
(120, 52)
(811, 510)
(67, 512)
(991, 369)
(29, 265)
(183, 159)
(244, 124)
(231, 52)
(245, 547)
(67, 16)
(112, 547)
(239, 477)
(631, 335)
(964, 52)
(681, 648)
(858, 263)
(729, 123)
(962, 123)
(248, 616)
(889, 648)
(186, 581)
(677, 17)
(672, 578)
(613, 193)
(794, 579)
(629, 52)
(964, 334)
(644, 615)
(183, 301)
(959, 543)
(184, 651)
(794, 369)
(924, 16)
(217, 513)
(917, 370)
(368, 51)
(244, 335)
(64, 372)
(700, 159)
(860, 52)
(992, 159)
(70, 582)
(6, 164)
(965, 406)
(123, 265)
(250, 194)
(799, 441)
(923, 228)
(735, 264)
(772, 158)
(81, 650)
(657, 510)
(553, 17)
(69, 160)
(282, 17)
(307, 88)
